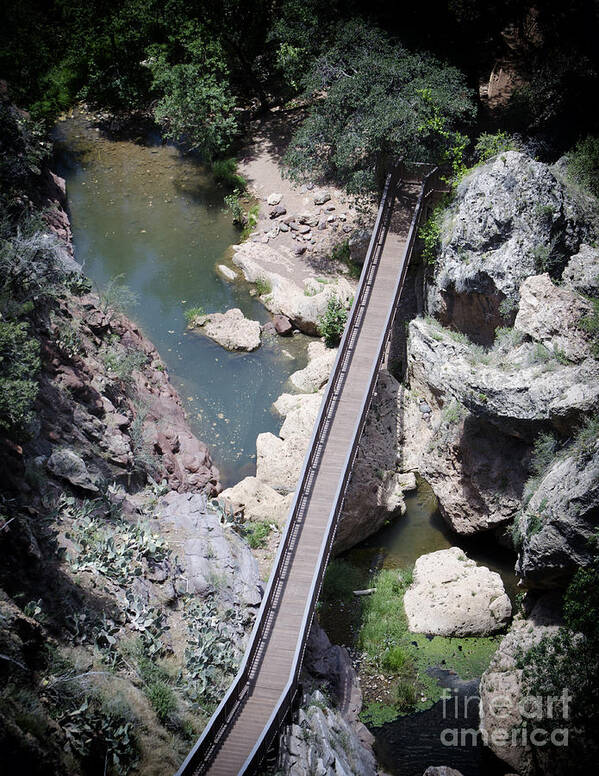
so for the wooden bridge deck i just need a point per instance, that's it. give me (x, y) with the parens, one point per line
(278, 648)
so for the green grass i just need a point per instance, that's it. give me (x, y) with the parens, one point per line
(193, 312)
(225, 172)
(263, 286)
(408, 657)
(384, 624)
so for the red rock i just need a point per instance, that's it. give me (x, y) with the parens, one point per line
(282, 325)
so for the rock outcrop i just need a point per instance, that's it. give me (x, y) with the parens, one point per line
(511, 218)
(452, 596)
(254, 500)
(560, 519)
(524, 391)
(279, 458)
(582, 272)
(328, 738)
(550, 315)
(303, 305)
(232, 330)
(318, 369)
(214, 558)
(501, 692)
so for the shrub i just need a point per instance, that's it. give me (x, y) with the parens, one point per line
(251, 221)
(256, 533)
(121, 363)
(263, 286)
(583, 164)
(489, 145)
(225, 172)
(590, 324)
(163, 700)
(543, 453)
(430, 234)
(332, 323)
(233, 203)
(117, 297)
(19, 368)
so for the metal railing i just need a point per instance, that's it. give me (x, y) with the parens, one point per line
(200, 757)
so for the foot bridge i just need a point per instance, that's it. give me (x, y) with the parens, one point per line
(243, 727)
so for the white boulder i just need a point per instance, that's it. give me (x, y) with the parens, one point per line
(452, 596)
(232, 329)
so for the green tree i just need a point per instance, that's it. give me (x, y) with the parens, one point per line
(197, 105)
(332, 322)
(374, 102)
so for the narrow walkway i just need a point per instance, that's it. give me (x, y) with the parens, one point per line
(243, 727)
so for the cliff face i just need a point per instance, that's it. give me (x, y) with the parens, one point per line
(471, 414)
(499, 412)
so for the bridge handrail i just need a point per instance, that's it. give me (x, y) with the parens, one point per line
(200, 757)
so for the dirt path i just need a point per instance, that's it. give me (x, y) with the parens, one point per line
(305, 234)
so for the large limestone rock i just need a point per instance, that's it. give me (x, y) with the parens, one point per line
(214, 557)
(232, 329)
(279, 458)
(560, 519)
(318, 369)
(303, 305)
(582, 272)
(519, 393)
(501, 690)
(511, 218)
(255, 500)
(551, 314)
(452, 596)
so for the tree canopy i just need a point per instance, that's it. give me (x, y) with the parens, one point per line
(373, 102)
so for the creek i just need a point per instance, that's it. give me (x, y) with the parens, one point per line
(141, 211)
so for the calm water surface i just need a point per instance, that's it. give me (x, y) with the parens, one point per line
(142, 211)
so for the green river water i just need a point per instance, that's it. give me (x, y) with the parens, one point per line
(142, 211)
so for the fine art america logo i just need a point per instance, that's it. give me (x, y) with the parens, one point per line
(534, 721)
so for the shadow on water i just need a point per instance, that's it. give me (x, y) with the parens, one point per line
(411, 743)
(143, 211)
(445, 734)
